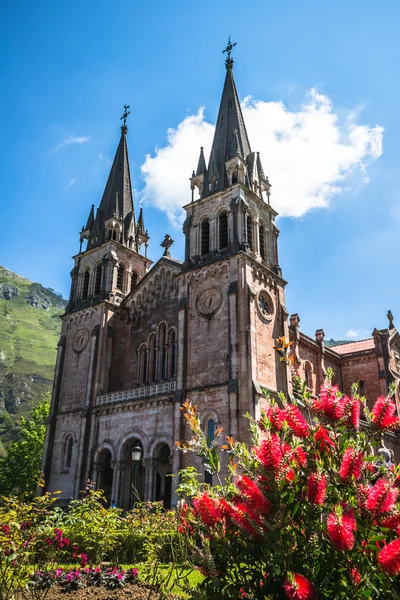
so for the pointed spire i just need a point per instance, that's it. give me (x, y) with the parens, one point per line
(230, 137)
(90, 220)
(140, 223)
(201, 166)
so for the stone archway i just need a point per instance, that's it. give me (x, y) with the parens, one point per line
(132, 474)
(162, 480)
(104, 473)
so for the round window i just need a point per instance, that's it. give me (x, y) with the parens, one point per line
(265, 305)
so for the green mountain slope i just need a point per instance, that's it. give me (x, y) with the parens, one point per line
(29, 332)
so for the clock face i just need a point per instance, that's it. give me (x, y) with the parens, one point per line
(209, 301)
(81, 340)
(265, 305)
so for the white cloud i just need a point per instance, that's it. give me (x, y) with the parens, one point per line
(70, 183)
(352, 334)
(71, 140)
(307, 155)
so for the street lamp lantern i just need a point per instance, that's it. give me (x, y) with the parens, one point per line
(136, 453)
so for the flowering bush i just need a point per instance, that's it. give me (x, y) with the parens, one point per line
(307, 512)
(70, 580)
(28, 544)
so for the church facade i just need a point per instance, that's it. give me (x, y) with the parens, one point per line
(138, 339)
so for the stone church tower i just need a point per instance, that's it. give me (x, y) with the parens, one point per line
(137, 342)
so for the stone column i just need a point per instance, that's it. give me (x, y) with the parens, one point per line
(176, 454)
(81, 439)
(148, 464)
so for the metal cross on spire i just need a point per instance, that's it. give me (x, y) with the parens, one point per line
(127, 112)
(228, 50)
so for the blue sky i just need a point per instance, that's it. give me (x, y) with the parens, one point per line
(67, 69)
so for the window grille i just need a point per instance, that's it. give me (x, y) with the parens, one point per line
(85, 287)
(205, 237)
(120, 277)
(262, 241)
(68, 452)
(250, 232)
(223, 230)
(97, 281)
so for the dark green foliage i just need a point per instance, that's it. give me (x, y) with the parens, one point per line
(20, 469)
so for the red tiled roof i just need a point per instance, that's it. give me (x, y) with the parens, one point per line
(351, 347)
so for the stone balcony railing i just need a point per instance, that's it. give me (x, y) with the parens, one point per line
(143, 391)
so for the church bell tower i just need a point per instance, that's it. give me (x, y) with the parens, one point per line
(104, 273)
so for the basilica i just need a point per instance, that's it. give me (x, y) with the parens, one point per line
(139, 339)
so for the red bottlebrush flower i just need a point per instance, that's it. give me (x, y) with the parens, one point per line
(389, 558)
(206, 508)
(329, 403)
(383, 414)
(355, 414)
(351, 465)
(243, 516)
(289, 475)
(254, 496)
(298, 587)
(381, 497)
(340, 530)
(392, 522)
(296, 421)
(276, 417)
(269, 452)
(316, 488)
(355, 576)
(323, 439)
(300, 456)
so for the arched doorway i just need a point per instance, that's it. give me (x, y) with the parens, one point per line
(133, 474)
(104, 474)
(162, 475)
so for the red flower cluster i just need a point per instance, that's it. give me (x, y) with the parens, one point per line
(253, 495)
(383, 414)
(323, 439)
(337, 407)
(351, 465)
(389, 558)
(297, 587)
(316, 488)
(341, 527)
(381, 497)
(269, 452)
(207, 509)
(392, 522)
(296, 421)
(276, 416)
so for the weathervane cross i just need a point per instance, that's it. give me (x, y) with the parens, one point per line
(166, 244)
(124, 116)
(228, 48)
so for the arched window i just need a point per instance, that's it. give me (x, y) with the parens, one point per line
(308, 375)
(120, 277)
(114, 234)
(210, 431)
(97, 279)
(152, 358)
(143, 364)
(249, 231)
(162, 352)
(234, 177)
(134, 279)
(205, 237)
(223, 231)
(361, 387)
(261, 232)
(85, 287)
(172, 353)
(68, 447)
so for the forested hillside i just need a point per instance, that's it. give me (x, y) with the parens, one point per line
(29, 332)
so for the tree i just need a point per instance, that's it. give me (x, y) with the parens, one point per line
(20, 469)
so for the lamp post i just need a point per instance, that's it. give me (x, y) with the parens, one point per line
(136, 454)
